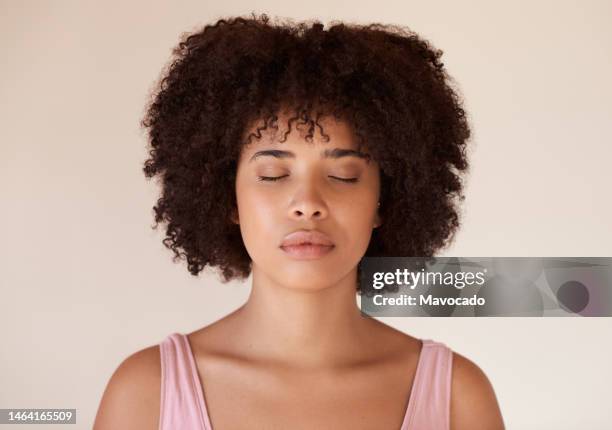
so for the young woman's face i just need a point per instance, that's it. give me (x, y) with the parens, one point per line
(321, 187)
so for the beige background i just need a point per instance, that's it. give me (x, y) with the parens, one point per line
(85, 281)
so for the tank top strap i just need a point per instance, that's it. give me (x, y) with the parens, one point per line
(181, 392)
(429, 404)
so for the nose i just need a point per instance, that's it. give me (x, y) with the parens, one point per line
(307, 206)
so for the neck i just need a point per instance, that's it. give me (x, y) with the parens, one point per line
(321, 326)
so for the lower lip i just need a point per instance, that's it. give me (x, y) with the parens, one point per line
(307, 252)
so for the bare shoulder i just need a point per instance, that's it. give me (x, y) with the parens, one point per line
(474, 405)
(131, 399)
(387, 337)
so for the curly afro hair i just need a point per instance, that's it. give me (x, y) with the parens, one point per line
(385, 81)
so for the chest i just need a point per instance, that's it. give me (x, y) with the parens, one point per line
(375, 397)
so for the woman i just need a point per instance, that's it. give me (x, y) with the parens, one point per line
(289, 152)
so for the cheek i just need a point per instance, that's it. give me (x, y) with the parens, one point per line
(258, 213)
(358, 209)
(357, 219)
(257, 206)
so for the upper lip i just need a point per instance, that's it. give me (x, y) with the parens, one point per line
(301, 237)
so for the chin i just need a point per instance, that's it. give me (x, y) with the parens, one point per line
(307, 279)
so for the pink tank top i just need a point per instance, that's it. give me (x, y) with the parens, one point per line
(183, 405)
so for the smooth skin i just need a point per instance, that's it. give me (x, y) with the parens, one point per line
(299, 354)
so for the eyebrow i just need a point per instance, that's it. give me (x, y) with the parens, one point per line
(327, 153)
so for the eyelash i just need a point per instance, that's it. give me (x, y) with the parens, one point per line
(272, 179)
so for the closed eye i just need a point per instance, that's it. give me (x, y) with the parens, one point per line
(345, 179)
(276, 178)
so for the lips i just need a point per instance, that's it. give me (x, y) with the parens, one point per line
(307, 252)
(306, 237)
